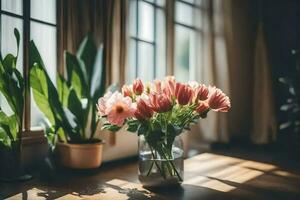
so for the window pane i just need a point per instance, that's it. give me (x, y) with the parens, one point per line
(132, 18)
(8, 41)
(146, 22)
(44, 37)
(161, 2)
(13, 6)
(182, 53)
(44, 10)
(184, 14)
(160, 45)
(131, 69)
(145, 61)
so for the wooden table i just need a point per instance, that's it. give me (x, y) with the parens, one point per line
(207, 176)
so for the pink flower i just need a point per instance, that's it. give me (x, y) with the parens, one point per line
(143, 110)
(169, 87)
(201, 92)
(183, 93)
(217, 100)
(101, 106)
(202, 107)
(118, 108)
(158, 86)
(126, 91)
(160, 102)
(138, 86)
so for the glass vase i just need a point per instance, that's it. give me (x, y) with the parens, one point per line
(160, 165)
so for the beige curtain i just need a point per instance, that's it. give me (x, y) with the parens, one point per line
(227, 60)
(264, 122)
(115, 39)
(106, 20)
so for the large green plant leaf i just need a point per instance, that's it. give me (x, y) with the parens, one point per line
(12, 88)
(4, 139)
(62, 90)
(87, 53)
(9, 63)
(10, 124)
(75, 107)
(77, 76)
(17, 36)
(38, 82)
(98, 76)
(51, 99)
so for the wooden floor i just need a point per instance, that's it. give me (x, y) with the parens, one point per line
(220, 175)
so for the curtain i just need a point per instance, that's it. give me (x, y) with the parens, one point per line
(106, 20)
(264, 122)
(227, 61)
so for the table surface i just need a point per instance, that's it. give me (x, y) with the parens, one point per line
(206, 176)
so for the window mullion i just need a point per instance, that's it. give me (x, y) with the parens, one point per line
(137, 35)
(26, 39)
(170, 10)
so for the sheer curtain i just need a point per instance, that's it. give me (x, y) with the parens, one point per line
(228, 62)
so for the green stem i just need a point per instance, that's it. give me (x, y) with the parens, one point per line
(157, 165)
(172, 164)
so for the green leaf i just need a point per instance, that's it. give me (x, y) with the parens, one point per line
(98, 78)
(143, 129)
(49, 102)
(35, 56)
(86, 53)
(9, 63)
(17, 36)
(63, 90)
(61, 135)
(133, 125)
(174, 129)
(110, 127)
(10, 123)
(4, 139)
(77, 77)
(75, 107)
(38, 82)
(12, 88)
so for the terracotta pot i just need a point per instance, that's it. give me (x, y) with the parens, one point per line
(80, 156)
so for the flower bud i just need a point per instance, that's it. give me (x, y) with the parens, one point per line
(138, 86)
(201, 92)
(160, 102)
(126, 91)
(202, 107)
(143, 110)
(183, 93)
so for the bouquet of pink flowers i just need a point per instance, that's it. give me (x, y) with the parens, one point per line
(160, 110)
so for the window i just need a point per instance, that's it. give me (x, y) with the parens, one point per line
(187, 39)
(147, 49)
(35, 19)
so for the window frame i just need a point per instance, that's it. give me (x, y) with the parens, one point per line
(26, 19)
(137, 39)
(196, 30)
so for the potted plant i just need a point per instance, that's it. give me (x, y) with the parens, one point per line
(70, 107)
(159, 112)
(12, 89)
